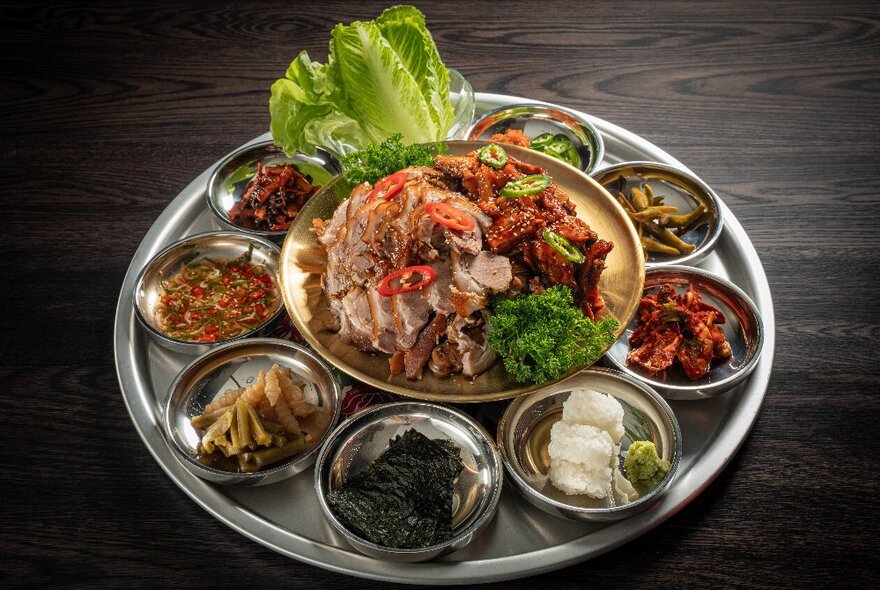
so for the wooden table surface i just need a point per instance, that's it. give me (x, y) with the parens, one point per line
(108, 111)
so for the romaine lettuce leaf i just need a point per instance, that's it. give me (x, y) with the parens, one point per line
(382, 92)
(382, 77)
(405, 30)
(304, 113)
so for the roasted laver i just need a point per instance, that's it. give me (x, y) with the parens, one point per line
(403, 499)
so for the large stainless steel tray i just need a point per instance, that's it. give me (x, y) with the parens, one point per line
(521, 540)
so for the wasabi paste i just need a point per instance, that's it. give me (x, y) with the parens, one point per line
(642, 463)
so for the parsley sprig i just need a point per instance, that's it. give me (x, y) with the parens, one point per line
(378, 161)
(542, 337)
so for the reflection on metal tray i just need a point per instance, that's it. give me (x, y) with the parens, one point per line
(521, 540)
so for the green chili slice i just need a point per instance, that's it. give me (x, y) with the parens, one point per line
(493, 155)
(570, 156)
(563, 246)
(527, 185)
(559, 146)
(541, 141)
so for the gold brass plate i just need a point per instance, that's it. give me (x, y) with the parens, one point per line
(303, 260)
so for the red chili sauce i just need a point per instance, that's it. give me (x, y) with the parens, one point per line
(214, 300)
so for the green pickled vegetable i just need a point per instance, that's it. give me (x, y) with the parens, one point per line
(686, 220)
(652, 220)
(652, 245)
(640, 199)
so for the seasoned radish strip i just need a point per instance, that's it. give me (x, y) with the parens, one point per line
(225, 400)
(285, 417)
(267, 411)
(273, 389)
(257, 391)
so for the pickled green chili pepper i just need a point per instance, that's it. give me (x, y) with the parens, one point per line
(653, 212)
(652, 245)
(527, 185)
(684, 221)
(665, 236)
(641, 200)
(493, 155)
(565, 248)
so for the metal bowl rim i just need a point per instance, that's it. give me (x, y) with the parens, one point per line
(524, 487)
(181, 344)
(335, 169)
(200, 469)
(591, 130)
(409, 407)
(719, 386)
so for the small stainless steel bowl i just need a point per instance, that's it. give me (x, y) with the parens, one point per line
(524, 434)
(535, 119)
(236, 365)
(679, 189)
(744, 331)
(168, 262)
(360, 440)
(230, 178)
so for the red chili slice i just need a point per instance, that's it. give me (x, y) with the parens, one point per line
(426, 277)
(451, 217)
(388, 187)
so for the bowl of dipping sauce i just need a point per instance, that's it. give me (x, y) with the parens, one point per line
(524, 436)
(687, 219)
(227, 426)
(208, 289)
(385, 443)
(556, 131)
(742, 329)
(259, 190)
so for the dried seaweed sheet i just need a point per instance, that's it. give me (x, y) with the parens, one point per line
(403, 499)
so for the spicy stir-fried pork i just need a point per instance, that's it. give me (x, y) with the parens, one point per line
(677, 327)
(519, 223)
(413, 261)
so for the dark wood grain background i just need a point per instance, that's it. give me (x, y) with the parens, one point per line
(108, 110)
